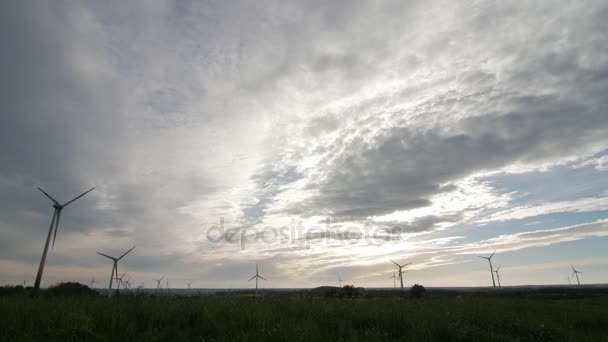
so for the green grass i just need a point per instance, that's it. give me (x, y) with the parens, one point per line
(293, 318)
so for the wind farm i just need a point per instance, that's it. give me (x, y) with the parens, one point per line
(304, 170)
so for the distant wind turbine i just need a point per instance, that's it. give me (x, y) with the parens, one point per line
(158, 282)
(114, 267)
(394, 276)
(575, 273)
(340, 280)
(256, 277)
(491, 269)
(119, 280)
(58, 207)
(400, 267)
(92, 282)
(189, 284)
(497, 275)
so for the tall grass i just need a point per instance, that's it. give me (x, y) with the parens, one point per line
(242, 318)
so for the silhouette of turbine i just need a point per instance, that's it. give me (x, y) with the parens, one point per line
(58, 207)
(256, 277)
(400, 267)
(491, 269)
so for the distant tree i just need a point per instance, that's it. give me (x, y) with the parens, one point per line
(70, 289)
(418, 291)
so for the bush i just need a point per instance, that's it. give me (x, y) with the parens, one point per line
(418, 291)
(70, 289)
(349, 291)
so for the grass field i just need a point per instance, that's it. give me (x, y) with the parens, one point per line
(297, 318)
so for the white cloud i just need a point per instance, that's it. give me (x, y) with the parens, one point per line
(521, 212)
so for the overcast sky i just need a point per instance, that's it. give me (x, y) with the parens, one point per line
(330, 136)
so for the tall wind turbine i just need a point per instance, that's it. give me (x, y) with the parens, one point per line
(114, 267)
(92, 282)
(58, 207)
(400, 267)
(340, 280)
(256, 277)
(394, 276)
(158, 282)
(575, 273)
(491, 269)
(497, 275)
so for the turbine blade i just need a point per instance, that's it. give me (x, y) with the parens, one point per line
(107, 256)
(491, 255)
(77, 197)
(49, 196)
(127, 252)
(572, 267)
(262, 278)
(482, 257)
(56, 226)
(396, 264)
(409, 263)
(252, 278)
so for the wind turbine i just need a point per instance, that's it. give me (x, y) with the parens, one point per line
(114, 267)
(158, 282)
(497, 275)
(189, 284)
(58, 207)
(569, 282)
(575, 273)
(400, 267)
(340, 280)
(92, 282)
(256, 276)
(394, 279)
(119, 280)
(491, 269)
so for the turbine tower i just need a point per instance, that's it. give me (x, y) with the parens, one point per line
(575, 273)
(491, 269)
(158, 282)
(58, 207)
(256, 277)
(114, 267)
(497, 275)
(400, 267)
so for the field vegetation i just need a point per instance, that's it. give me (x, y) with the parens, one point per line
(372, 316)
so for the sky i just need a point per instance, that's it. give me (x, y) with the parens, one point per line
(318, 139)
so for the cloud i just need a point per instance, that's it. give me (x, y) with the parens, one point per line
(266, 112)
(521, 212)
